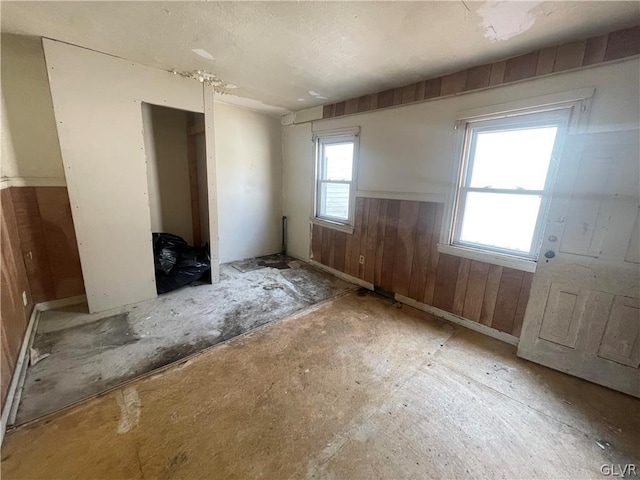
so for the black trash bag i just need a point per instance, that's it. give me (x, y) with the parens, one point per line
(178, 264)
(165, 250)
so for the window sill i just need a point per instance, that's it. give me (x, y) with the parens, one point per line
(489, 257)
(341, 227)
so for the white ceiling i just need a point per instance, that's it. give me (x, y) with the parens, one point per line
(297, 55)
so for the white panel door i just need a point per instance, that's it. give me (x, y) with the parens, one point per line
(583, 315)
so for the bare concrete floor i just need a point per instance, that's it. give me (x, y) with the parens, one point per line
(92, 353)
(356, 388)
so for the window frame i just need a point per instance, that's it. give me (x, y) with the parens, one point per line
(327, 138)
(559, 116)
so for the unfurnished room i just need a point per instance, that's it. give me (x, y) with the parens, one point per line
(321, 239)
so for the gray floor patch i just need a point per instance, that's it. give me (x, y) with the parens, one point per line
(90, 353)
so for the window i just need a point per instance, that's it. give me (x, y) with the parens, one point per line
(507, 169)
(335, 185)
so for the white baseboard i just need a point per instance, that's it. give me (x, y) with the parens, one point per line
(464, 322)
(14, 394)
(450, 317)
(63, 302)
(342, 275)
(19, 374)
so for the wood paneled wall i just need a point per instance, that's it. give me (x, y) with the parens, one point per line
(578, 54)
(48, 242)
(14, 315)
(39, 256)
(397, 240)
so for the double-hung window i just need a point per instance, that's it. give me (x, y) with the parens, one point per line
(336, 155)
(508, 164)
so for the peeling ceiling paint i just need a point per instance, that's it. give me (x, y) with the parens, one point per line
(211, 79)
(277, 53)
(504, 20)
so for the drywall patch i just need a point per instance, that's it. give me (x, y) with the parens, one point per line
(207, 78)
(502, 20)
(129, 403)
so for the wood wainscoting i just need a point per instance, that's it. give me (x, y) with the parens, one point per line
(39, 257)
(397, 243)
(48, 242)
(14, 315)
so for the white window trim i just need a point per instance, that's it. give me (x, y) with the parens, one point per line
(341, 227)
(337, 224)
(580, 98)
(559, 117)
(579, 101)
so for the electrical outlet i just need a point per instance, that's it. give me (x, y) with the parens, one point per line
(24, 298)
(361, 259)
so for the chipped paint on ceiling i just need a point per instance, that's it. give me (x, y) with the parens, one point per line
(295, 55)
(504, 20)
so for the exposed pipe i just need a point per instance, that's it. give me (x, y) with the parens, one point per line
(284, 235)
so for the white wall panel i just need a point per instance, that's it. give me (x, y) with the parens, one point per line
(409, 151)
(97, 102)
(249, 170)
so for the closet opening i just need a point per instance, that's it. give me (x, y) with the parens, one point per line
(177, 188)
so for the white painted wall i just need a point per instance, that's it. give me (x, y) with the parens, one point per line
(249, 170)
(203, 194)
(98, 108)
(30, 148)
(7, 152)
(165, 140)
(410, 149)
(298, 161)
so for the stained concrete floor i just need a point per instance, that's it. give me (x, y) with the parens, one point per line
(92, 353)
(358, 387)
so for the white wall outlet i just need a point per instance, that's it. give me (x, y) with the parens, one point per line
(361, 259)
(24, 298)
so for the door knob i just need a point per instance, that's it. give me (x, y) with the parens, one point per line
(550, 254)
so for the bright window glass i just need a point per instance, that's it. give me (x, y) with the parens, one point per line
(500, 220)
(513, 158)
(338, 161)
